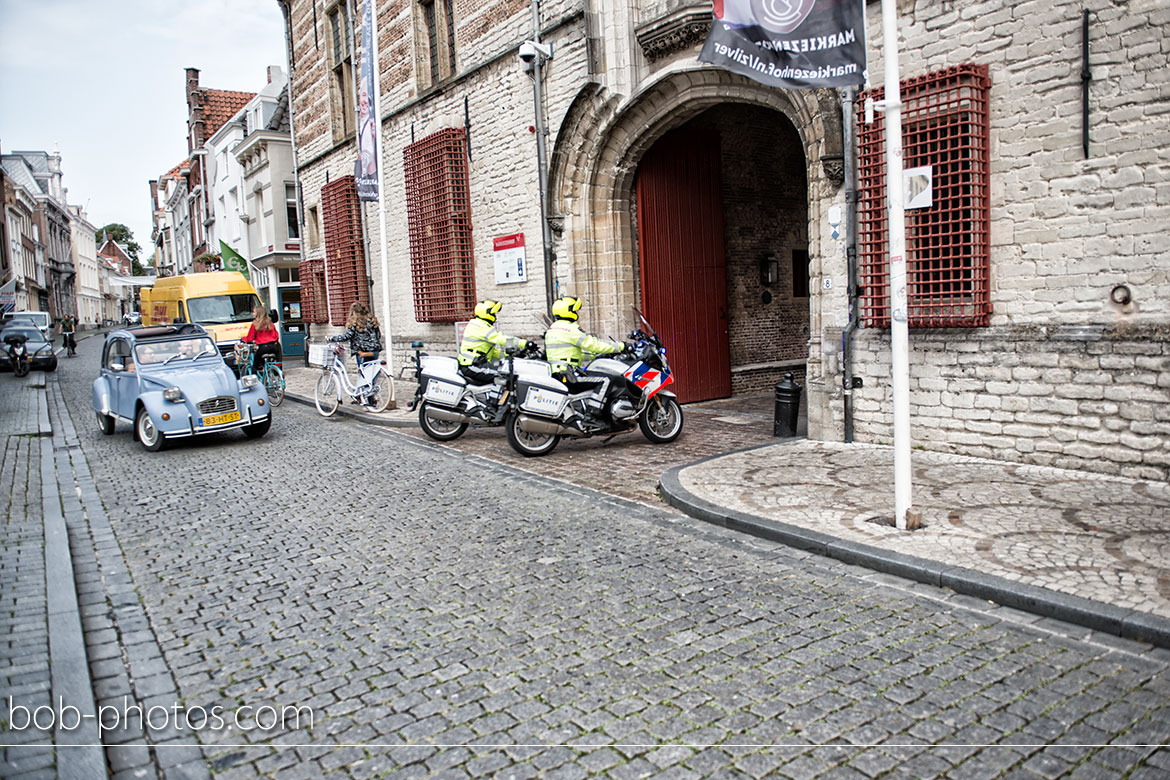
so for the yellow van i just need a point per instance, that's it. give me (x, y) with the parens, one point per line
(221, 301)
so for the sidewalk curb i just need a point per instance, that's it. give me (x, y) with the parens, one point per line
(1095, 615)
(389, 422)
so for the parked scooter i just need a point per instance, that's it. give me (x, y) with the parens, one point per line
(448, 403)
(629, 395)
(18, 353)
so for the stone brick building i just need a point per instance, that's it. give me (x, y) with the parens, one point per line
(1039, 290)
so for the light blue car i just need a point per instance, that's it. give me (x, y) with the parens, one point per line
(170, 382)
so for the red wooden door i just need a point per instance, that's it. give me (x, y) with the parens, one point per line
(683, 267)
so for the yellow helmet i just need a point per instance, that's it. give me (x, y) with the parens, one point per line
(566, 308)
(487, 310)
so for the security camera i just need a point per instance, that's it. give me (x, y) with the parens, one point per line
(530, 50)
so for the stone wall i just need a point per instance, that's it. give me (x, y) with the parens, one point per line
(1086, 397)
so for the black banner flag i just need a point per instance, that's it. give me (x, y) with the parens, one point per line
(793, 44)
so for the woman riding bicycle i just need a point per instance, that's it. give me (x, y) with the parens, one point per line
(264, 335)
(362, 333)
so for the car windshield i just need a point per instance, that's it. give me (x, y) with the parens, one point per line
(160, 352)
(32, 335)
(39, 321)
(222, 309)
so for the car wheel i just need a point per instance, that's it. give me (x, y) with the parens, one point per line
(151, 437)
(256, 430)
(105, 423)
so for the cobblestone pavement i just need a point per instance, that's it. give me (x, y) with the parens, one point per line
(1088, 535)
(627, 465)
(443, 615)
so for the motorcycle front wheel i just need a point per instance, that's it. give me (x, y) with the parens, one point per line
(439, 430)
(662, 420)
(530, 445)
(21, 368)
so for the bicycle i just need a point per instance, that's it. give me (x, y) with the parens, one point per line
(374, 390)
(70, 344)
(270, 373)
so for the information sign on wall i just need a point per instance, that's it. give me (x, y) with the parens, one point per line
(511, 266)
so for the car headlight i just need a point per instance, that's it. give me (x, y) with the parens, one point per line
(248, 381)
(173, 394)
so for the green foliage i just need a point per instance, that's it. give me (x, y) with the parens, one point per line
(122, 235)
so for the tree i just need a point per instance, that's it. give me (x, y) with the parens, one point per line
(122, 235)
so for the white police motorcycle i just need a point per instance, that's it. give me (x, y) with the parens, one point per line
(448, 403)
(625, 392)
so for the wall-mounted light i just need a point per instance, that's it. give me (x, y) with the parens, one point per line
(769, 269)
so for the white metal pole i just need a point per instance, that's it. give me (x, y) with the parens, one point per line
(381, 186)
(899, 335)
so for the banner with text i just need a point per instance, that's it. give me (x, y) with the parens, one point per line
(792, 44)
(365, 170)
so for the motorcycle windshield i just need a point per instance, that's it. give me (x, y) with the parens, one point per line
(646, 326)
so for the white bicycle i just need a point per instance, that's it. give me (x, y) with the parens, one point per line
(374, 390)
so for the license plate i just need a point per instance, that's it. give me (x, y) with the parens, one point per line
(220, 419)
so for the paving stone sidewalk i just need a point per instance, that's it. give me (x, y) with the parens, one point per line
(1087, 548)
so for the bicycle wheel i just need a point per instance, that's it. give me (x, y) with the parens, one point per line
(382, 393)
(274, 382)
(327, 395)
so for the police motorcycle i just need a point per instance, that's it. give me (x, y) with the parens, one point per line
(448, 403)
(18, 353)
(631, 395)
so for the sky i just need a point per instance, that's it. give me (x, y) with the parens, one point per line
(105, 82)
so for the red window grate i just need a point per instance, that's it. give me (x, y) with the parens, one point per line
(438, 211)
(944, 125)
(345, 257)
(314, 301)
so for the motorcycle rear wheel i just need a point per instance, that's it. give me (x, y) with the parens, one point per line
(530, 445)
(662, 420)
(439, 430)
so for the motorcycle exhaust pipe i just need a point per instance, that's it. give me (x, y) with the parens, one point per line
(447, 415)
(533, 425)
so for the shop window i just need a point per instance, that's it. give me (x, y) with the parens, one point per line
(438, 211)
(945, 126)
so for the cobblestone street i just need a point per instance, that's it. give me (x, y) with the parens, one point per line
(442, 615)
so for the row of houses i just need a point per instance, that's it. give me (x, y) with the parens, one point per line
(748, 222)
(231, 203)
(50, 258)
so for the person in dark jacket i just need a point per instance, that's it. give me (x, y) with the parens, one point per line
(362, 333)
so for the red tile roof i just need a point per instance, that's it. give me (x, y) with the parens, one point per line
(220, 105)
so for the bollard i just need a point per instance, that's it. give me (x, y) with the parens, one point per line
(787, 407)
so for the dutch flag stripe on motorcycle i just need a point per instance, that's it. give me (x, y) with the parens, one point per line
(647, 378)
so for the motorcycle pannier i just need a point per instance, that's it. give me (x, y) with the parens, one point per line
(540, 395)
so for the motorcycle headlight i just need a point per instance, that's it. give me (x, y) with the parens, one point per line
(173, 394)
(248, 381)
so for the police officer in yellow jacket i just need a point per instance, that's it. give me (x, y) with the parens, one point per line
(482, 343)
(566, 345)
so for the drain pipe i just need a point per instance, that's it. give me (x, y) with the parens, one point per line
(847, 380)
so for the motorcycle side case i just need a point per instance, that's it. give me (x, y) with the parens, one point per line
(541, 395)
(441, 381)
